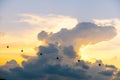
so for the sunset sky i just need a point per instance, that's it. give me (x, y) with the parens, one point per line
(91, 27)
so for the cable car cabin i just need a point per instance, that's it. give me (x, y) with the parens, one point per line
(21, 50)
(41, 54)
(57, 58)
(78, 60)
(99, 64)
(7, 46)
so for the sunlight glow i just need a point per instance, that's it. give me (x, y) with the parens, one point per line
(82, 51)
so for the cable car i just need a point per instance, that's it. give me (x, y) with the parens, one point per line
(99, 64)
(41, 54)
(57, 58)
(78, 60)
(21, 50)
(7, 46)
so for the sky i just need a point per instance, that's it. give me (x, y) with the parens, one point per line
(85, 30)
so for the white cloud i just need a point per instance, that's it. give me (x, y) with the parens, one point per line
(111, 22)
(105, 48)
(50, 23)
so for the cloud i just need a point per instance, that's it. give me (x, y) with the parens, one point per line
(69, 51)
(4, 70)
(47, 67)
(107, 73)
(50, 49)
(83, 64)
(111, 66)
(83, 34)
(9, 65)
(51, 22)
(110, 47)
(58, 59)
(117, 76)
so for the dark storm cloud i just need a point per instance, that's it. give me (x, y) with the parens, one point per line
(47, 67)
(48, 72)
(51, 49)
(69, 51)
(107, 72)
(83, 33)
(9, 64)
(111, 66)
(83, 64)
(40, 68)
(118, 74)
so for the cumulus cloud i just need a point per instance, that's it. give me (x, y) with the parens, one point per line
(57, 60)
(111, 47)
(10, 64)
(48, 67)
(83, 34)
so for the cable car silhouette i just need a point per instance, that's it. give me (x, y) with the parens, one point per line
(78, 60)
(21, 50)
(7, 46)
(57, 58)
(41, 54)
(99, 64)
